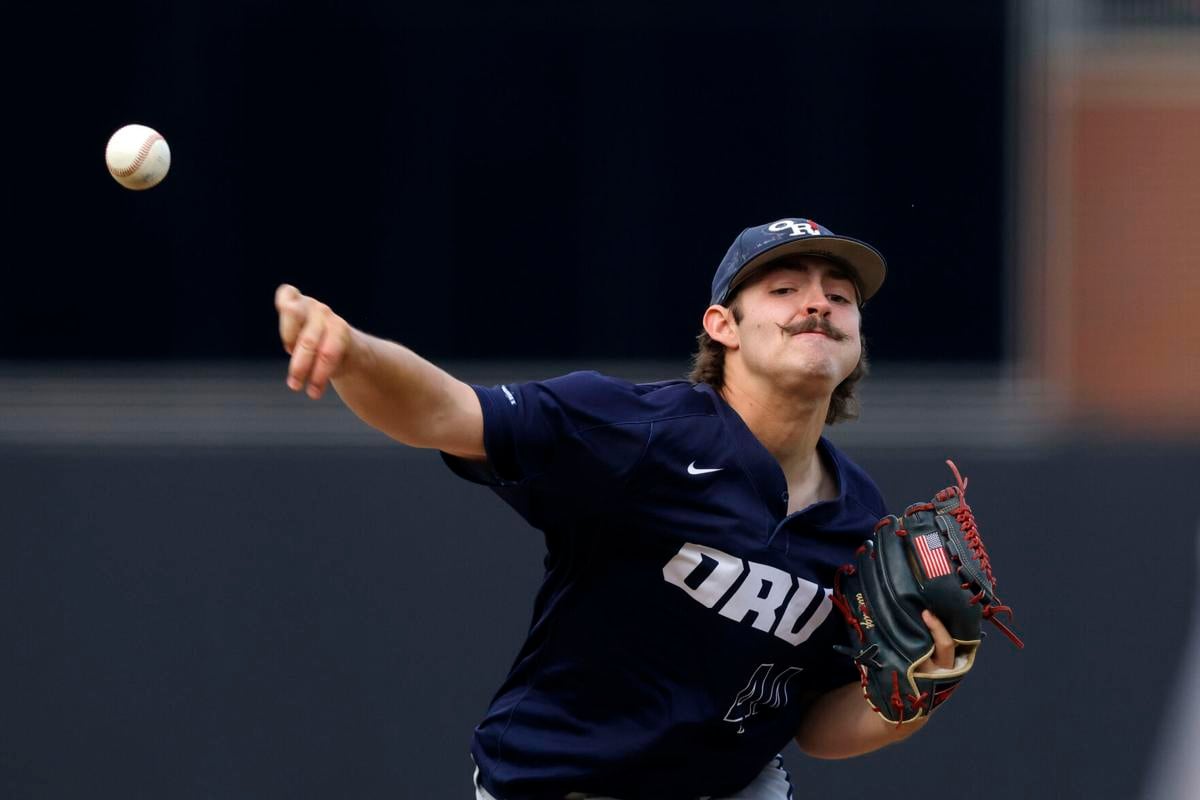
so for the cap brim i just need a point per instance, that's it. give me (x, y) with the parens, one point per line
(866, 262)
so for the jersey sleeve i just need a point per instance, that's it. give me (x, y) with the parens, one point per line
(580, 435)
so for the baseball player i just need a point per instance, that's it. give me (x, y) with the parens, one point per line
(682, 634)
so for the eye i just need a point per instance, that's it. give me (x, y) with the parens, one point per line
(782, 290)
(837, 298)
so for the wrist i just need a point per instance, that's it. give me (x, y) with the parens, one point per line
(359, 355)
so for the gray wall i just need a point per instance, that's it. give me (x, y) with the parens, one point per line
(318, 622)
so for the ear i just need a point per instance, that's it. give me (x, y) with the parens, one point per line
(720, 326)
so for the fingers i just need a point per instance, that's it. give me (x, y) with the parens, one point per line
(319, 348)
(293, 309)
(304, 350)
(315, 337)
(943, 643)
(334, 341)
(284, 293)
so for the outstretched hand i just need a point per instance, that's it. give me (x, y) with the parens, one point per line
(317, 339)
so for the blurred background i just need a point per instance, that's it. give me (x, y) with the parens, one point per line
(214, 588)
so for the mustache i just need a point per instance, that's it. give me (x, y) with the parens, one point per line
(810, 324)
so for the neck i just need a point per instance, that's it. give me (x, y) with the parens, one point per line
(788, 423)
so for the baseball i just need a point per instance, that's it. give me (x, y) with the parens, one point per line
(137, 157)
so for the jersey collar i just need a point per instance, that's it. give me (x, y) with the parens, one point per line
(765, 473)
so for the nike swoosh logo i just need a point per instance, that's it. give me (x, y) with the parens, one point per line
(694, 470)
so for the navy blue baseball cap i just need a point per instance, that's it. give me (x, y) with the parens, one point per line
(755, 247)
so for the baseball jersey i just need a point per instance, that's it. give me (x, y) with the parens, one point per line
(683, 625)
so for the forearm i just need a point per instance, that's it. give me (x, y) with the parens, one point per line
(410, 399)
(841, 724)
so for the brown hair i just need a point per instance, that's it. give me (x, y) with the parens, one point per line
(708, 366)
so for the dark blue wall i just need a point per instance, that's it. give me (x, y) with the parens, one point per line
(315, 623)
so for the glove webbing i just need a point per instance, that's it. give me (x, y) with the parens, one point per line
(966, 522)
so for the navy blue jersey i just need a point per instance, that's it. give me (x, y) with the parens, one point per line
(684, 623)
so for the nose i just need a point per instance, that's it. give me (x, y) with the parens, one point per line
(816, 303)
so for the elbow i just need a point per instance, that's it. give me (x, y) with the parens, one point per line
(834, 743)
(823, 755)
(454, 424)
(817, 742)
(825, 750)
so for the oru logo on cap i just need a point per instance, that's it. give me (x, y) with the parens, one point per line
(802, 227)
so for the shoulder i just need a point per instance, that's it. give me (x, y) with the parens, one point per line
(581, 429)
(594, 399)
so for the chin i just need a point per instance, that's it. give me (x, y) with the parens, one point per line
(808, 374)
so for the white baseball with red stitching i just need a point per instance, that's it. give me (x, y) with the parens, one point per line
(137, 157)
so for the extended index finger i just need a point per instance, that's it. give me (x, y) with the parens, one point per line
(290, 305)
(284, 294)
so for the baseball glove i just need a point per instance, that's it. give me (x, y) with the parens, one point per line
(931, 558)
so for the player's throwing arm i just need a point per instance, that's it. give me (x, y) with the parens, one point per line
(389, 386)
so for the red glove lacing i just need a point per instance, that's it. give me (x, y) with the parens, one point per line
(839, 600)
(966, 521)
